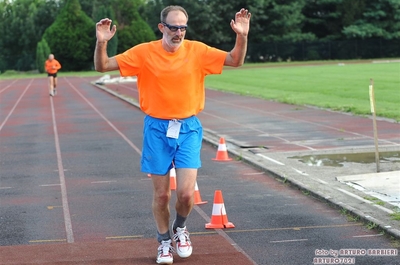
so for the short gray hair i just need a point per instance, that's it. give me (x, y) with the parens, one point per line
(164, 13)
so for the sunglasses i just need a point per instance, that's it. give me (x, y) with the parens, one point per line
(174, 28)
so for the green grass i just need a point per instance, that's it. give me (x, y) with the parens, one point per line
(374, 200)
(341, 88)
(395, 216)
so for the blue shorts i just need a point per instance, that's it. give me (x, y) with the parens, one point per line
(160, 151)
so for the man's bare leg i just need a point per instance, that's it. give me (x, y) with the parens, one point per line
(160, 205)
(54, 85)
(51, 85)
(185, 185)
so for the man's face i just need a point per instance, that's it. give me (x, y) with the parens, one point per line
(174, 29)
(51, 57)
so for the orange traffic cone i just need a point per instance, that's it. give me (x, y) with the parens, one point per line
(172, 179)
(219, 219)
(222, 153)
(197, 196)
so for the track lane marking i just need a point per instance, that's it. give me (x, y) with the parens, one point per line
(50, 185)
(52, 207)
(64, 197)
(252, 174)
(4, 89)
(123, 237)
(103, 182)
(46, 241)
(369, 235)
(270, 159)
(15, 105)
(290, 240)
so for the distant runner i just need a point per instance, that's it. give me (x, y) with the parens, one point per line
(52, 66)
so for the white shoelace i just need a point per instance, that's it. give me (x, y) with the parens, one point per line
(182, 234)
(165, 247)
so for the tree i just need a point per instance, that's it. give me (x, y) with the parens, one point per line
(323, 18)
(131, 27)
(22, 23)
(286, 21)
(42, 53)
(72, 38)
(3, 61)
(380, 18)
(88, 6)
(101, 11)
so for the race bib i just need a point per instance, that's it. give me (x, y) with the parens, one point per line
(174, 127)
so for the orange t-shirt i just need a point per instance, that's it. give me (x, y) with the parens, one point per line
(171, 85)
(52, 66)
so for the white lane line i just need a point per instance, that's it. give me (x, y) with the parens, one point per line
(285, 241)
(15, 105)
(64, 197)
(105, 181)
(104, 118)
(4, 89)
(49, 185)
(270, 159)
(369, 235)
(300, 172)
(320, 181)
(5, 188)
(354, 196)
(252, 174)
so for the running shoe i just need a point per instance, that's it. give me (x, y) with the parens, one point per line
(183, 244)
(165, 250)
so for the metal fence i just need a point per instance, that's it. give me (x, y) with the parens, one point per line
(323, 50)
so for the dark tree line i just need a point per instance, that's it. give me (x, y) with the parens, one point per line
(284, 27)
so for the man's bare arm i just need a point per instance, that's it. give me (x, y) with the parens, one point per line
(102, 63)
(241, 26)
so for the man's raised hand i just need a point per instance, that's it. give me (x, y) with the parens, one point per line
(241, 23)
(103, 31)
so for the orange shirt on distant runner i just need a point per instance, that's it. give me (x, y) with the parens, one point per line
(171, 85)
(52, 66)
